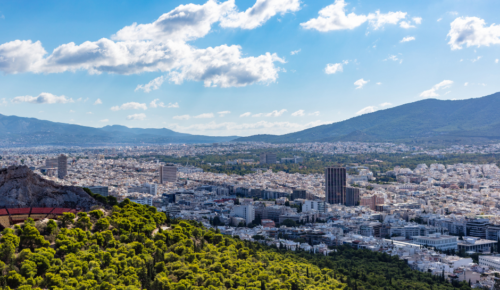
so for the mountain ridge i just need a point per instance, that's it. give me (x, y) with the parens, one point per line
(31, 131)
(428, 120)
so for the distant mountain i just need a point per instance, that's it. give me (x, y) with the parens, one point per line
(19, 131)
(426, 121)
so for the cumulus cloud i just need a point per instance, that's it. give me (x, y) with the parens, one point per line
(161, 46)
(173, 105)
(334, 17)
(299, 113)
(154, 104)
(369, 109)
(204, 116)
(104, 121)
(393, 58)
(98, 102)
(294, 52)
(276, 113)
(19, 56)
(314, 113)
(182, 117)
(472, 31)
(259, 13)
(406, 25)
(360, 83)
(407, 39)
(496, 60)
(433, 92)
(223, 113)
(417, 20)
(43, 98)
(386, 104)
(332, 68)
(247, 114)
(152, 85)
(130, 106)
(138, 117)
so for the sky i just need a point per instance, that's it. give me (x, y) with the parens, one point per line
(239, 68)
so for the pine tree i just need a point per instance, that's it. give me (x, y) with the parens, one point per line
(307, 272)
(262, 285)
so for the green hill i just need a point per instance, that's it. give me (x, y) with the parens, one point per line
(429, 120)
(130, 248)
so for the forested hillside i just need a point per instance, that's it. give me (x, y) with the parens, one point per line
(131, 247)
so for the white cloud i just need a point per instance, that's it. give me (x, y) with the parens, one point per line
(360, 83)
(104, 121)
(417, 20)
(476, 59)
(244, 129)
(314, 113)
(369, 109)
(496, 60)
(174, 105)
(161, 46)
(204, 116)
(299, 113)
(332, 68)
(247, 114)
(439, 19)
(153, 104)
(393, 58)
(98, 102)
(71, 111)
(379, 83)
(276, 113)
(466, 84)
(19, 56)
(130, 106)
(152, 85)
(43, 98)
(3, 102)
(334, 17)
(294, 52)
(138, 117)
(472, 31)
(433, 91)
(259, 13)
(406, 25)
(182, 117)
(223, 113)
(90, 113)
(407, 39)
(258, 115)
(386, 104)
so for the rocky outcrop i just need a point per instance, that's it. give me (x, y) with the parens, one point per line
(20, 187)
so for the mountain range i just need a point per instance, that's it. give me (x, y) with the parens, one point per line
(30, 131)
(425, 121)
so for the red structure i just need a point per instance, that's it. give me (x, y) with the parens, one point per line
(10, 216)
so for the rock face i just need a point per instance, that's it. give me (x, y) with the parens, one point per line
(20, 187)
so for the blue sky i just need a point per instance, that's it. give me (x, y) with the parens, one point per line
(240, 67)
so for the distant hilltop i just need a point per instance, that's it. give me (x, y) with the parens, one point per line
(428, 121)
(19, 131)
(22, 188)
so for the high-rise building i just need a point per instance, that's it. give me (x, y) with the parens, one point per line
(352, 196)
(168, 173)
(335, 185)
(62, 166)
(246, 212)
(267, 158)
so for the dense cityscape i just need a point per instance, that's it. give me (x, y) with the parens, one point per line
(438, 218)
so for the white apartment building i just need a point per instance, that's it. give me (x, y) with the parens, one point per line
(310, 205)
(437, 241)
(246, 212)
(490, 261)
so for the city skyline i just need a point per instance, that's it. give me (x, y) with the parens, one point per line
(291, 65)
